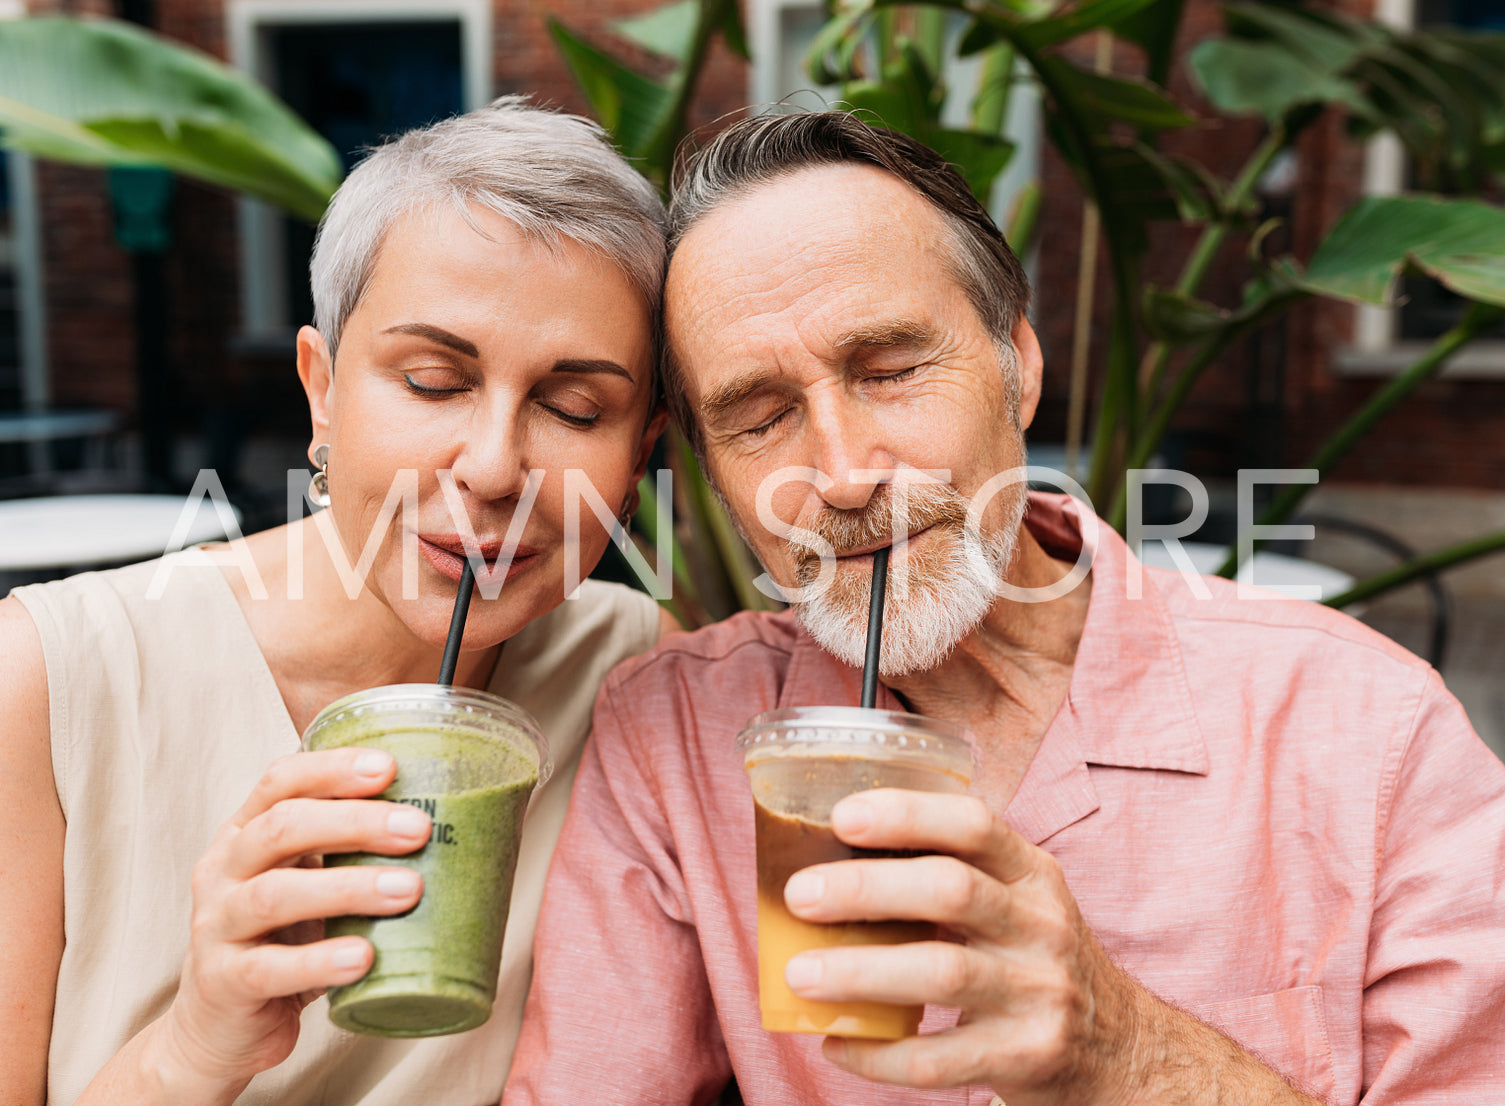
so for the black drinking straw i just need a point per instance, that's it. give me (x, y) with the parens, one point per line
(457, 626)
(874, 628)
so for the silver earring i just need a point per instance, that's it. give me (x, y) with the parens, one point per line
(318, 487)
(619, 531)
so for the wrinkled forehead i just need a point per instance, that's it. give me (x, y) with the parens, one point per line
(811, 254)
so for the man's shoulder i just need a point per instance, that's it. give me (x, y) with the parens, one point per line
(1234, 612)
(746, 642)
(691, 694)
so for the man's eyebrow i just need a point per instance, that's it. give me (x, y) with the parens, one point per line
(724, 397)
(900, 332)
(436, 334)
(587, 367)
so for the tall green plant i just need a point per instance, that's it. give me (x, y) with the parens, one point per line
(1441, 92)
(645, 107)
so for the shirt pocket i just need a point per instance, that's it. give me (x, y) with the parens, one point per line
(1287, 1030)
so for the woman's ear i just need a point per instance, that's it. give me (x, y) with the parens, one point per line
(316, 371)
(651, 434)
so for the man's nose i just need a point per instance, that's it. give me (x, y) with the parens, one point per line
(849, 452)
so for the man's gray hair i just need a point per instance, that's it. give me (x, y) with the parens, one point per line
(552, 175)
(758, 151)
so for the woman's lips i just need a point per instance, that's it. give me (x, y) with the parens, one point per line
(447, 557)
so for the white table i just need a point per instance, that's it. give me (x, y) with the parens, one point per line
(1267, 570)
(83, 531)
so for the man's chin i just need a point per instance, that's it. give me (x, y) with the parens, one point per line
(904, 654)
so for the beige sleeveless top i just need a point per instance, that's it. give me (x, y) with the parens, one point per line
(164, 714)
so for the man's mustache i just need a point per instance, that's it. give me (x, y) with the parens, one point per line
(876, 522)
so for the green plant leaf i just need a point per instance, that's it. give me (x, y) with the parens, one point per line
(1105, 99)
(995, 87)
(1458, 242)
(1078, 20)
(668, 32)
(881, 104)
(1196, 195)
(731, 28)
(1024, 218)
(832, 55)
(1264, 78)
(981, 157)
(104, 92)
(980, 36)
(1153, 28)
(1327, 44)
(1178, 318)
(636, 110)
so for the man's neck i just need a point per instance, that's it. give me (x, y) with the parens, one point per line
(1007, 679)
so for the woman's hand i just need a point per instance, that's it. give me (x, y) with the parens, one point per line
(256, 956)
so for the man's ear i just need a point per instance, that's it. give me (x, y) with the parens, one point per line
(1030, 366)
(316, 371)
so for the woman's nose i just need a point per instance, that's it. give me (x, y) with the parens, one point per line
(492, 462)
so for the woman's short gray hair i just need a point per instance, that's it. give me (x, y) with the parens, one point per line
(553, 175)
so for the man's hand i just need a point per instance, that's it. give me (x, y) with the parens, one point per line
(1046, 1017)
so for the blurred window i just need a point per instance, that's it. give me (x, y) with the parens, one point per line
(358, 72)
(358, 86)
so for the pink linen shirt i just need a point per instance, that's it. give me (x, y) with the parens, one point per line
(1270, 816)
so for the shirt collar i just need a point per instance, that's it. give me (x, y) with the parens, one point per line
(1129, 704)
(1130, 698)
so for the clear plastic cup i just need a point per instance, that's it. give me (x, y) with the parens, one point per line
(471, 761)
(800, 763)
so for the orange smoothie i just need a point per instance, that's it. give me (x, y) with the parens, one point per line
(785, 845)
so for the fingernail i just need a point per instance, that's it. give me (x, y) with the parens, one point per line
(397, 884)
(852, 815)
(407, 822)
(372, 764)
(802, 972)
(804, 889)
(348, 956)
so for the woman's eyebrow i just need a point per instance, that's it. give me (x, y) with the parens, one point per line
(436, 334)
(587, 367)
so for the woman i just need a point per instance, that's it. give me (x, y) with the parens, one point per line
(484, 297)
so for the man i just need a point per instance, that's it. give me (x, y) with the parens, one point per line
(1218, 851)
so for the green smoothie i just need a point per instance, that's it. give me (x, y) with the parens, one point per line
(436, 965)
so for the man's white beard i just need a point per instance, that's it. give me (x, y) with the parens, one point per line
(939, 591)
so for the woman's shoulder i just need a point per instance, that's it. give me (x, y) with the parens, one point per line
(601, 625)
(176, 580)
